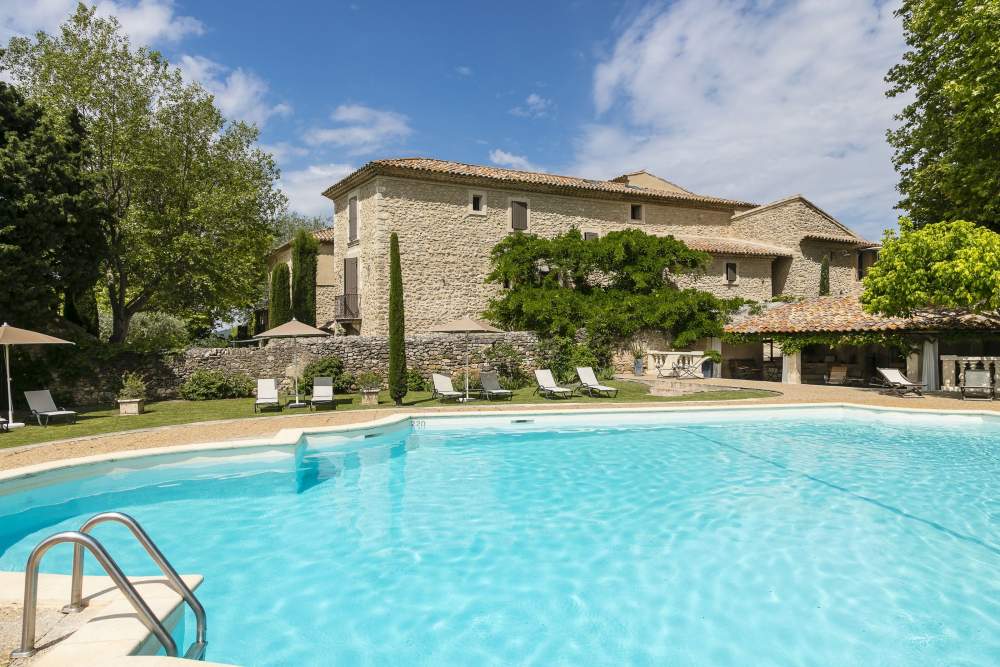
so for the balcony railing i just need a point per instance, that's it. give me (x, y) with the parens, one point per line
(347, 307)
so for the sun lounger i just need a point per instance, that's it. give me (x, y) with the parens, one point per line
(976, 384)
(838, 374)
(267, 395)
(589, 383)
(322, 393)
(3, 425)
(898, 384)
(443, 388)
(491, 386)
(547, 385)
(44, 409)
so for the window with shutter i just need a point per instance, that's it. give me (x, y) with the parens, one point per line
(731, 274)
(590, 236)
(352, 220)
(519, 215)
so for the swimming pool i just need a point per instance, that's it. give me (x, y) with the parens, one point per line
(830, 536)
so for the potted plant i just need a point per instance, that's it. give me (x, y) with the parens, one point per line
(132, 395)
(369, 384)
(638, 358)
(714, 357)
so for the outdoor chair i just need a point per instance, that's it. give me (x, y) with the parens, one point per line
(976, 384)
(590, 384)
(898, 384)
(267, 395)
(491, 386)
(322, 393)
(689, 366)
(443, 388)
(44, 409)
(547, 385)
(838, 374)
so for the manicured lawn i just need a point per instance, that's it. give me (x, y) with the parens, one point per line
(164, 413)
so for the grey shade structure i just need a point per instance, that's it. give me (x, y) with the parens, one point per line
(293, 329)
(13, 336)
(466, 325)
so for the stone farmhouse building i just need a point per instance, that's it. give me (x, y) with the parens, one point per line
(450, 215)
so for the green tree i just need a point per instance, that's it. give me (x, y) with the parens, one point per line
(289, 222)
(279, 307)
(824, 276)
(397, 331)
(942, 265)
(948, 140)
(191, 199)
(305, 249)
(50, 219)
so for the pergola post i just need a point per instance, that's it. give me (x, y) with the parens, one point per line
(791, 367)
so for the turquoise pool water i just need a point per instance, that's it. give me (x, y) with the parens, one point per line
(795, 537)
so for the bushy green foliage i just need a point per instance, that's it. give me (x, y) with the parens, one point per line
(948, 136)
(133, 387)
(288, 223)
(279, 306)
(369, 380)
(397, 332)
(943, 265)
(562, 355)
(613, 286)
(155, 331)
(824, 276)
(508, 362)
(416, 382)
(331, 367)
(210, 385)
(305, 249)
(209, 341)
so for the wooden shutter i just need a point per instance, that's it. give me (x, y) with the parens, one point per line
(519, 215)
(731, 274)
(350, 275)
(352, 220)
(590, 236)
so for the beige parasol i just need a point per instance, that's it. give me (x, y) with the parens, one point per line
(295, 330)
(466, 325)
(13, 336)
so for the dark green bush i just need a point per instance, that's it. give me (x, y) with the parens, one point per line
(211, 385)
(332, 367)
(155, 331)
(506, 360)
(562, 355)
(416, 382)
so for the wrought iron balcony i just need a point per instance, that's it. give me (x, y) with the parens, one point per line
(347, 307)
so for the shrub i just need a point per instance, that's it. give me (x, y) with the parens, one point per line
(279, 308)
(562, 355)
(506, 360)
(416, 382)
(369, 380)
(133, 387)
(209, 341)
(458, 379)
(397, 333)
(305, 248)
(154, 331)
(211, 385)
(824, 276)
(331, 367)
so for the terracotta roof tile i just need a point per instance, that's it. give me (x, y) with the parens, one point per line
(728, 246)
(844, 314)
(426, 166)
(324, 235)
(834, 238)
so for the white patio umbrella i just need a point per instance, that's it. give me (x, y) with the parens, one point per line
(466, 325)
(13, 336)
(293, 329)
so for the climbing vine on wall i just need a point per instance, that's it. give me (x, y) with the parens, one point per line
(799, 341)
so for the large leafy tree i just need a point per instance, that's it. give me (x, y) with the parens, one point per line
(613, 286)
(191, 199)
(948, 140)
(941, 265)
(50, 219)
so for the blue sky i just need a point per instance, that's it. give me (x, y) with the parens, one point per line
(755, 100)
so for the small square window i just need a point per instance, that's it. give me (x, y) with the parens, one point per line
(590, 236)
(477, 203)
(635, 212)
(731, 274)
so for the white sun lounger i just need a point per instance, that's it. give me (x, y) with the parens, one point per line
(322, 393)
(976, 384)
(590, 384)
(44, 409)
(547, 385)
(443, 388)
(899, 384)
(267, 395)
(490, 382)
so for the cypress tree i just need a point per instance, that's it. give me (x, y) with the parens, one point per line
(280, 304)
(305, 248)
(824, 276)
(397, 332)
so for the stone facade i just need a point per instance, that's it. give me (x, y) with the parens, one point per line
(753, 278)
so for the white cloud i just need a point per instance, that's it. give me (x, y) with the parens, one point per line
(505, 159)
(535, 106)
(464, 70)
(282, 151)
(241, 95)
(304, 187)
(144, 21)
(755, 100)
(361, 129)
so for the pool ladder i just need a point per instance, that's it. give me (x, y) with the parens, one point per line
(82, 540)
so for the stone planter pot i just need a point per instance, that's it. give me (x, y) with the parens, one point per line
(369, 396)
(637, 367)
(131, 406)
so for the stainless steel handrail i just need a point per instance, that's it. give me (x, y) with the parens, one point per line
(77, 603)
(82, 540)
